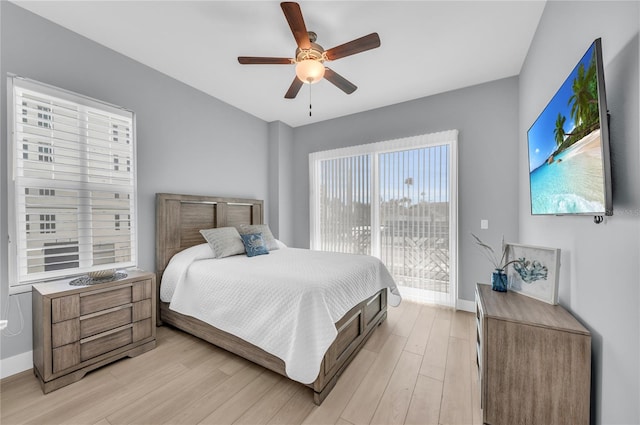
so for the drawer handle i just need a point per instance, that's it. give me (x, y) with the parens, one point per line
(100, 335)
(110, 310)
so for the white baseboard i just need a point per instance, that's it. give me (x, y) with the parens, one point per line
(466, 305)
(16, 364)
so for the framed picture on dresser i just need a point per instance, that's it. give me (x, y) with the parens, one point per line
(534, 271)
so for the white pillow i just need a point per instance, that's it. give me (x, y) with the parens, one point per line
(281, 244)
(269, 240)
(224, 241)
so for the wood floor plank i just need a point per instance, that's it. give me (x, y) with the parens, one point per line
(296, 409)
(406, 322)
(460, 325)
(419, 336)
(362, 405)
(456, 390)
(157, 403)
(435, 355)
(329, 411)
(210, 400)
(424, 408)
(67, 408)
(266, 408)
(234, 408)
(18, 391)
(393, 406)
(127, 393)
(25, 411)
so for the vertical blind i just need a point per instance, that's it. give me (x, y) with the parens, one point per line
(74, 184)
(345, 212)
(395, 200)
(415, 221)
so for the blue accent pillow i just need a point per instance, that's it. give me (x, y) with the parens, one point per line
(254, 244)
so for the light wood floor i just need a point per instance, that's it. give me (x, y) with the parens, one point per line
(418, 368)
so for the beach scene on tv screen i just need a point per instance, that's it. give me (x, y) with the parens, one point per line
(565, 147)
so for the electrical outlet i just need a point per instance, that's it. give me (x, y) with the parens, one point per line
(484, 224)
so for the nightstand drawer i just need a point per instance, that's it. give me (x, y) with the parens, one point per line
(142, 329)
(106, 343)
(103, 300)
(65, 357)
(63, 333)
(65, 308)
(142, 290)
(94, 324)
(142, 310)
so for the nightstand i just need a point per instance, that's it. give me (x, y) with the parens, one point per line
(79, 328)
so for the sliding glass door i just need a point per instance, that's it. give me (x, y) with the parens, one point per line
(395, 200)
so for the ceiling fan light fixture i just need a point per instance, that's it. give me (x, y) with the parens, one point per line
(310, 71)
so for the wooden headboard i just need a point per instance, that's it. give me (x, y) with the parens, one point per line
(179, 219)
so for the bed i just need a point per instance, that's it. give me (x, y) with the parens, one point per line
(179, 219)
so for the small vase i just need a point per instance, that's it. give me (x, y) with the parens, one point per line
(499, 281)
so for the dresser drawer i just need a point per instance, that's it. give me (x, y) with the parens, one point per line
(101, 322)
(106, 343)
(103, 300)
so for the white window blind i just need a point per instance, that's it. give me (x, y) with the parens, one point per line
(345, 213)
(74, 184)
(395, 200)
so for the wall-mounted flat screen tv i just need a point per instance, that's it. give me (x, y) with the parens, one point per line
(569, 167)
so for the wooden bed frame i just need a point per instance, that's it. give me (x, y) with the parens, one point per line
(179, 219)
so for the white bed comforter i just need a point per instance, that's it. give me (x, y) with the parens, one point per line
(286, 302)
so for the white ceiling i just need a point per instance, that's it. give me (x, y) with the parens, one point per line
(427, 47)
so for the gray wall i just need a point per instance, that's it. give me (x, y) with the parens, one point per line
(280, 181)
(188, 142)
(599, 264)
(486, 116)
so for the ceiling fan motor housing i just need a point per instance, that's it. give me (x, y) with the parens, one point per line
(316, 52)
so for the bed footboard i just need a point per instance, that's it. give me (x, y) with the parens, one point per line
(354, 329)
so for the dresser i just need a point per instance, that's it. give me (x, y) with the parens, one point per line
(79, 328)
(534, 361)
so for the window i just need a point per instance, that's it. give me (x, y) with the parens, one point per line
(45, 153)
(68, 190)
(47, 223)
(395, 200)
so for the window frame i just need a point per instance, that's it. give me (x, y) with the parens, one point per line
(15, 147)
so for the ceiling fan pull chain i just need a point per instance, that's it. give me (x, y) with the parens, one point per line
(309, 99)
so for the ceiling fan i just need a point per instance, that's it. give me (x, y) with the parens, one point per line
(310, 56)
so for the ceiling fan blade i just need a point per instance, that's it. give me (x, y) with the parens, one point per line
(358, 45)
(294, 88)
(339, 81)
(296, 22)
(252, 60)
